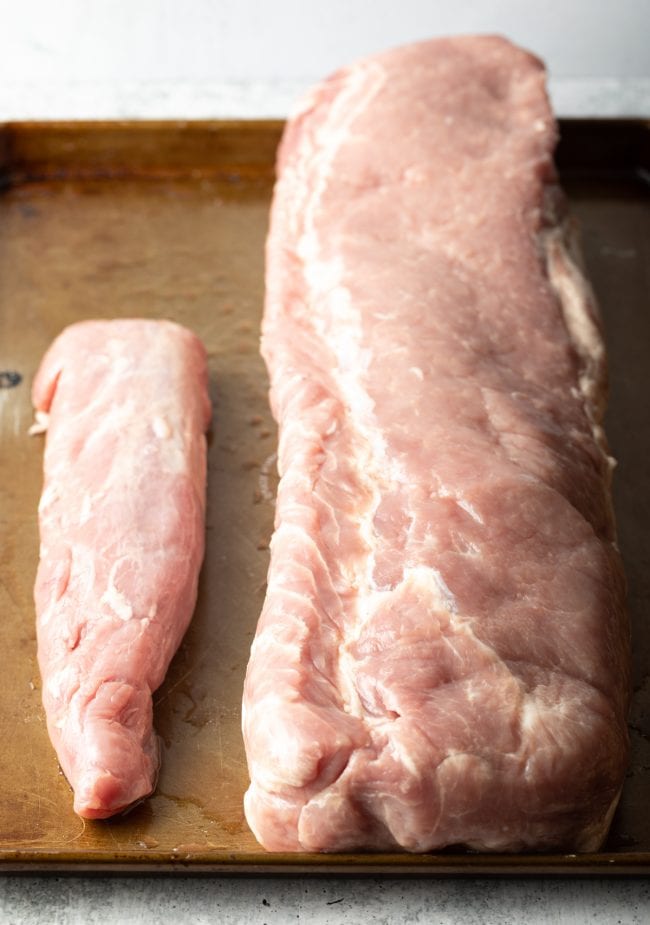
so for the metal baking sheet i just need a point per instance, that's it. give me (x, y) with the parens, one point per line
(169, 220)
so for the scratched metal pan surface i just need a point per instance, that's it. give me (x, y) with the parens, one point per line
(169, 220)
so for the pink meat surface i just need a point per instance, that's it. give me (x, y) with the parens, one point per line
(122, 536)
(442, 656)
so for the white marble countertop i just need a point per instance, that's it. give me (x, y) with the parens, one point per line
(25, 900)
(322, 901)
(260, 99)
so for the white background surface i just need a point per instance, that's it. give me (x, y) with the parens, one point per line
(229, 58)
(328, 901)
(202, 58)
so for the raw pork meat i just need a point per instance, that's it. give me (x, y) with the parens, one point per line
(121, 516)
(442, 656)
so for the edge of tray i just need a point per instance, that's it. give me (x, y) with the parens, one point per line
(49, 151)
(433, 865)
(42, 151)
